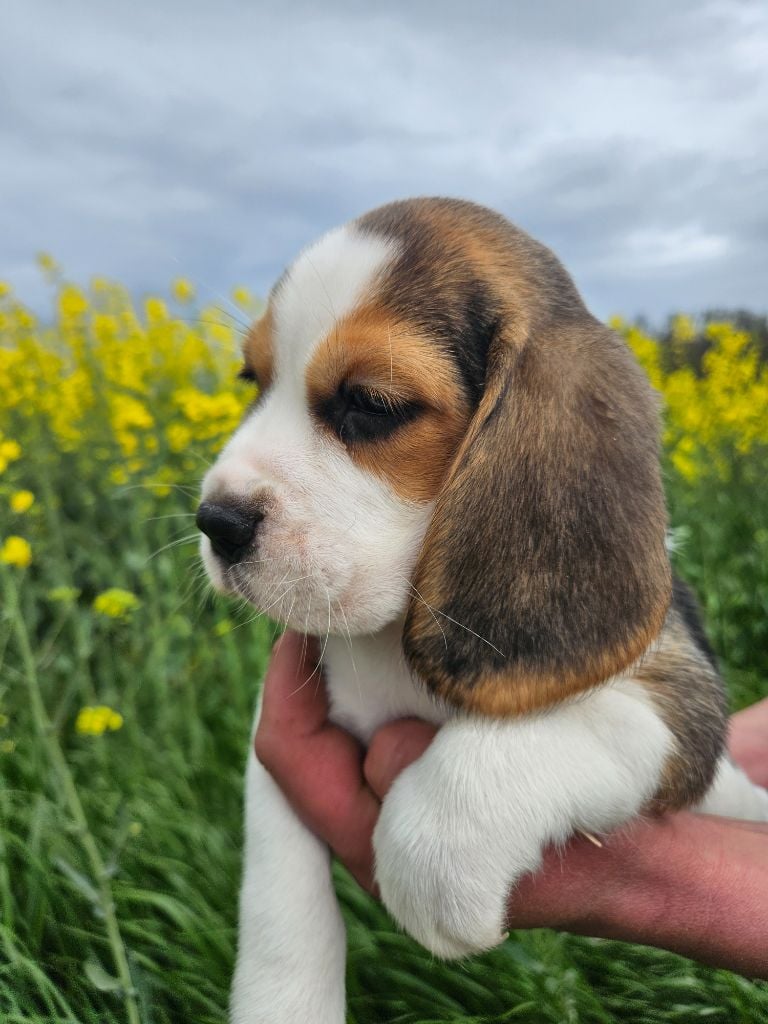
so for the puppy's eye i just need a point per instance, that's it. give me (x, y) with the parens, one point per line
(358, 414)
(246, 373)
(372, 403)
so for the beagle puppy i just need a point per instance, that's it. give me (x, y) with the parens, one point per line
(450, 474)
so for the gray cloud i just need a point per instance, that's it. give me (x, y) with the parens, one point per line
(147, 140)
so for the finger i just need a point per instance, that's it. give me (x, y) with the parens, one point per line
(317, 765)
(294, 700)
(324, 783)
(392, 749)
(759, 827)
(748, 741)
(757, 713)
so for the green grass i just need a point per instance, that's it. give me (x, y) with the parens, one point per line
(162, 795)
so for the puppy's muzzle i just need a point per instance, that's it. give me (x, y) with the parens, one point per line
(230, 528)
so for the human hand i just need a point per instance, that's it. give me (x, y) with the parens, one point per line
(661, 882)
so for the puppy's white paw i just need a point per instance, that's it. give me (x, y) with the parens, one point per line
(443, 870)
(465, 822)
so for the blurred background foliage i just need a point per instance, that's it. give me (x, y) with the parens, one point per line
(126, 688)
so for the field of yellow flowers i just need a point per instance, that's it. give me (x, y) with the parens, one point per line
(126, 689)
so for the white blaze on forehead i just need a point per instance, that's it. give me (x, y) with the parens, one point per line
(325, 284)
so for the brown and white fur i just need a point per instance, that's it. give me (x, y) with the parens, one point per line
(451, 473)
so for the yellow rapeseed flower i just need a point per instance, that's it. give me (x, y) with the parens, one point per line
(95, 721)
(25, 319)
(21, 501)
(10, 451)
(155, 310)
(16, 551)
(684, 459)
(683, 328)
(183, 290)
(72, 302)
(104, 328)
(179, 436)
(115, 603)
(118, 475)
(5, 289)
(161, 482)
(47, 263)
(103, 376)
(127, 417)
(243, 297)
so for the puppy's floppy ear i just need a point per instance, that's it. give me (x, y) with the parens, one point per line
(544, 570)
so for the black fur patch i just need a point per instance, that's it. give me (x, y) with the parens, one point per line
(687, 607)
(681, 675)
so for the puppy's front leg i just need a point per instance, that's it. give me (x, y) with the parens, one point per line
(292, 944)
(473, 815)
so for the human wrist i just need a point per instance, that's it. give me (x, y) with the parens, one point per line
(626, 886)
(694, 885)
(586, 887)
(647, 877)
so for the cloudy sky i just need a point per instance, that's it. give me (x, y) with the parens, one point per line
(148, 140)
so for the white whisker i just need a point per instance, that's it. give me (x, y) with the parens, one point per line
(429, 608)
(351, 649)
(436, 611)
(479, 637)
(174, 544)
(185, 489)
(171, 515)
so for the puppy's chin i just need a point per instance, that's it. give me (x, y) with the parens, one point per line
(320, 614)
(315, 609)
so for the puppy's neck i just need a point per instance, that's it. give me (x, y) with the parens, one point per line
(369, 682)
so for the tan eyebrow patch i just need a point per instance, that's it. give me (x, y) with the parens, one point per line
(258, 349)
(370, 349)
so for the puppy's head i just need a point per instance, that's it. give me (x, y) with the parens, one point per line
(443, 433)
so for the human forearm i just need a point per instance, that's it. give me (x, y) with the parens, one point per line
(695, 885)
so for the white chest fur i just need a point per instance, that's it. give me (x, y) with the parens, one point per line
(370, 684)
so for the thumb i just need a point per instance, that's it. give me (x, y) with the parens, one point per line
(392, 749)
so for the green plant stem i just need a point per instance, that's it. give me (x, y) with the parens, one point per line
(72, 797)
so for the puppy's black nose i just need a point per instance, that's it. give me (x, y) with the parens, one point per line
(230, 528)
